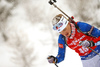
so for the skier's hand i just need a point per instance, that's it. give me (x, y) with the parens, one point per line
(86, 43)
(52, 59)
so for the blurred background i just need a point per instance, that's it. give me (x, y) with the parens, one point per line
(26, 34)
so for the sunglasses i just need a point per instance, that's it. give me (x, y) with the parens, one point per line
(57, 26)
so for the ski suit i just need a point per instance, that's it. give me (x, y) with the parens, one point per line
(73, 42)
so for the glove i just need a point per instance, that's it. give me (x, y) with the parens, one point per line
(52, 59)
(87, 44)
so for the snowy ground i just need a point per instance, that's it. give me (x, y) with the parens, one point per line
(27, 38)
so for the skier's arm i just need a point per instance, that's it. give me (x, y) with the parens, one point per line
(61, 49)
(86, 27)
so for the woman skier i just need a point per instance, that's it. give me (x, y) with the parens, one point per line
(78, 36)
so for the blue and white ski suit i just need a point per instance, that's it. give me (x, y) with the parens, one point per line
(84, 27)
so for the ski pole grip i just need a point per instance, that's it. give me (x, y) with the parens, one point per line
(54, 0)
(50, 2)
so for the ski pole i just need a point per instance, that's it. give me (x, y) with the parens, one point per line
(51, 2)
(94, 51)
(54, 62)
(70, 19)
(56, 65)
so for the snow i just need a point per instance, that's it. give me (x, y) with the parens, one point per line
(27, 38)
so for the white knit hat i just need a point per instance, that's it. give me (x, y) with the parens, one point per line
(59, 25)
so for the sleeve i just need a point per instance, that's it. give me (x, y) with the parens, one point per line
(61, 49)
(86, 27)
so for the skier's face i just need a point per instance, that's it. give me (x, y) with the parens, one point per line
(67, 31)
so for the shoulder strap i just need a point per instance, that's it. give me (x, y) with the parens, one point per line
(86, 33)
(77, 27)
